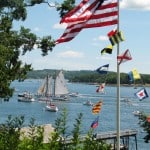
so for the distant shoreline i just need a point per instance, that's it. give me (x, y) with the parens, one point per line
(122, 85)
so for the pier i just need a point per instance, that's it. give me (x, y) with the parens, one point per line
(111, 138)
(108, 137)
(124, 138)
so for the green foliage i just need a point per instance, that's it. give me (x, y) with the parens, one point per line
(10, 133)
(76, 142)
(91, 143)
(12, 138)
(87, 76)
(145, 124)
(57, 140)
(66, 6)
(34, 140)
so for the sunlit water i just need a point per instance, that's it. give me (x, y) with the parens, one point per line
(107, 116)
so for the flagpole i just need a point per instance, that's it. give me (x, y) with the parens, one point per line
(118, 92)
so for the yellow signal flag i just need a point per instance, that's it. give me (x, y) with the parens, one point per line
(136, 75)
(97, 107)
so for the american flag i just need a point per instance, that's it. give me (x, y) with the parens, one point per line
(89, 14)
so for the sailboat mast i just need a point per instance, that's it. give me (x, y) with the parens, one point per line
(118, 90)
(54, 84)
(46, 91)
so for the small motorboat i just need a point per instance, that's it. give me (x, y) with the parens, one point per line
(88, 103)
(136, 113)
(51, 107)
(25, 97)
(73, 94)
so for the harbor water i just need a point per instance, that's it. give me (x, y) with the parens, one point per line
(107, 115)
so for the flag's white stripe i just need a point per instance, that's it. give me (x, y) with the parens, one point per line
(77, 26)
(70, 35)
(107, 10)
(109, 1)
(101, 20)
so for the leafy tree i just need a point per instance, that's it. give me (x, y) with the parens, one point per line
(15, 43)
(57, 140)
(10, 133)
(145, 124)
(34, 140)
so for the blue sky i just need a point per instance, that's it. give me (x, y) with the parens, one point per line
(83, 52)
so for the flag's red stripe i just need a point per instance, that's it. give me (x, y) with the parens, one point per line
(104, 15)
(96, 109)
(110, 5)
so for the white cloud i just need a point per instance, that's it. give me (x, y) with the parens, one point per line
(135, 4)
(70, 54)
(103, 38)
(36, 29)
(59, 26)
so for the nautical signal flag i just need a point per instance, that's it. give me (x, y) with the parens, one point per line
(95, 123)
(130, 76)
(136, 75)
(103, 69)
(107, 49)
(148, 119)
(142, 94)
(124, 57)
(97, 107)
(89, 14)
(101, 88)
(133, 75)
(115, 36)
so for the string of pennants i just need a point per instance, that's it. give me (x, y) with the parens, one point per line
(115, 37)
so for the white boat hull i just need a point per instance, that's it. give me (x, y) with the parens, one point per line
(136, 113)
(51, 108)
(88, 103)
(24, 99)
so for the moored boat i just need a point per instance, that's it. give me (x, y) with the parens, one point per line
(51, 107)
(25, 97)
(136, 113)
(88, 103)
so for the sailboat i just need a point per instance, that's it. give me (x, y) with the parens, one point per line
(101, 88)
(56, 91)
(45, 90)
(46, 94)
(61, 91)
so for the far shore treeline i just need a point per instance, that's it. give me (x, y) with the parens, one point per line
(89, 76)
